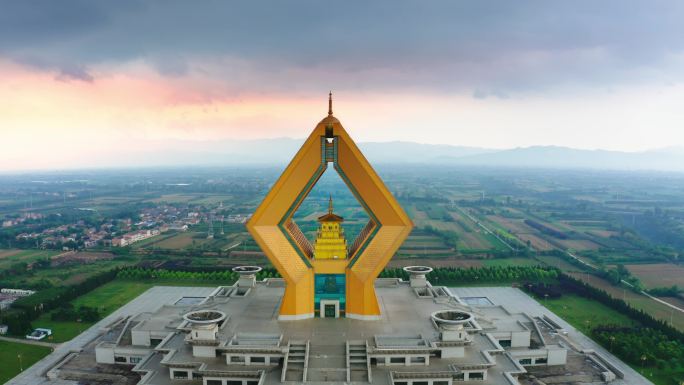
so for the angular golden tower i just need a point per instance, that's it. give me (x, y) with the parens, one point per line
(314, 283)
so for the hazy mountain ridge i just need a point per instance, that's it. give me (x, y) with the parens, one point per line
(670, 159)
(281, 150)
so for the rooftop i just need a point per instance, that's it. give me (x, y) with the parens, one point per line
(328, 351)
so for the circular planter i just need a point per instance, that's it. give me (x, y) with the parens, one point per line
(205, 317)
(247, 270)
(451, 319)
(418, 270)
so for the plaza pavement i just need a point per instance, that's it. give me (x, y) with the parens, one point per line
(514, 300)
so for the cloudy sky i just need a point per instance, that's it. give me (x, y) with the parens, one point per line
(79, 79)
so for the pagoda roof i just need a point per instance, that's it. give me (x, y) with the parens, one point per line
(330, 217)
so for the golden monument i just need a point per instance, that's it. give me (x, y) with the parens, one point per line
(323, 278)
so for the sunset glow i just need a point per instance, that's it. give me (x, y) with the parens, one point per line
(94, 103)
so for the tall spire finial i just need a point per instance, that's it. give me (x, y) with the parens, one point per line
(330, 104)
(330, 206)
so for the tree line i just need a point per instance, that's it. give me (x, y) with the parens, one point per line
(655, 349)
(26, 309)
(457, 275)
(586, 290)
(224, 276)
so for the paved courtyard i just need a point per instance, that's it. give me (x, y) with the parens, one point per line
(513, 299)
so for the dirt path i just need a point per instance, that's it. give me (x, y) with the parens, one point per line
(30, 342)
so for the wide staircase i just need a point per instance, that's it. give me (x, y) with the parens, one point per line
(296, 362)
(358, 364)
(327, 363)
(318, 362)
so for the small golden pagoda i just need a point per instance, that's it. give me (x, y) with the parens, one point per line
(330, 241)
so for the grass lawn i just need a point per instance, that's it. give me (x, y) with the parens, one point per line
(106, 298)
(583, 313)
(117, 293)
(112, 295)
(9, 366)
(62, 331)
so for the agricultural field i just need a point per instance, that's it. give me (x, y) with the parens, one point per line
(5, 253)
(471, 237)
(522, 231)
(172, 198)
(110, 200)
(194, 198)
(64, 268)
(211, 200)
(658, 274)
(10, 257)
(558, 262)
(67, 274)
(15, 357)
(535, 242)
(579, 244)
(425, 246)
(181, 241)
(638, 301)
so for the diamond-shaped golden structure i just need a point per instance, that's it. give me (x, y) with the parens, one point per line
(289, 251)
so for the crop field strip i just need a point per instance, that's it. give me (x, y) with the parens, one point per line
(637, 301)
(658, 274)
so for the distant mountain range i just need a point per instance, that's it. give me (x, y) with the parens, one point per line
(281, 150)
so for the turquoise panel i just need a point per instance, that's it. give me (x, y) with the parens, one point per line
(329, 286)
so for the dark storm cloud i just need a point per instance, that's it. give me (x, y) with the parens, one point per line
(489, 48)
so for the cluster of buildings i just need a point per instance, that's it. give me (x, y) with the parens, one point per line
(121, 232)
(135, 236)
(160, 219)
(114, 232)
(238, 218)
(157, 220)
(8, 296)
(10, 222)
(73, 235)
(170, 216)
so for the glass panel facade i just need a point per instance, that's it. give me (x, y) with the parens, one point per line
(329, 286)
